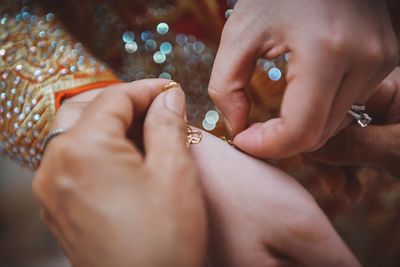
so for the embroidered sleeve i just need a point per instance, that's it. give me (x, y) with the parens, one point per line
(40, 64)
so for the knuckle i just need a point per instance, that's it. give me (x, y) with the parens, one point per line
(168, 121)
(335, 42)
(388, 85)
(67, 150)
(375, 52)
(306, 138)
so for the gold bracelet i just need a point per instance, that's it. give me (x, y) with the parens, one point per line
(193, 136)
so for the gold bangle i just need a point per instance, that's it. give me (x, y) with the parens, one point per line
(228, 141)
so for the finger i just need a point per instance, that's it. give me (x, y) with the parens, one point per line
(164, 129)
(375, 145)
(355, 90)
(112, 112)
(352, 91)
(383, 105)
(305, 108)
(232, 70)
(54, 229)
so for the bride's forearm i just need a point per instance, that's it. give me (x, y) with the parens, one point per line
(220, 164)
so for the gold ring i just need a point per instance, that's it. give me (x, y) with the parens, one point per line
(170, 86)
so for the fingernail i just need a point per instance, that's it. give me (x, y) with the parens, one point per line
(175, 101)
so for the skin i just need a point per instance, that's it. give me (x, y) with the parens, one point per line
(339, 51)
(286, 226)
(376, 145)
(260, 216)
(110, 205)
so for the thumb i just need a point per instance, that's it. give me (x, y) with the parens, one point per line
(374, 145)
(164, 128)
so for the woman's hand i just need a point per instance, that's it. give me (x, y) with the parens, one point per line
(377, 145)
(259, 216)
(339, 51)
(110, 205)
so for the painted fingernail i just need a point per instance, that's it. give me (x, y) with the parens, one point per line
(175, 101)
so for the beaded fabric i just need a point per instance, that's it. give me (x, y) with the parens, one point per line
(39, 63)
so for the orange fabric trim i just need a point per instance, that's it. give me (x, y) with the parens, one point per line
(60, 96)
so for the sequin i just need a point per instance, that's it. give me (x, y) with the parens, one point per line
(2, 52)
(162, 28)
(275, 74)
(128, 37)
(18, 67)
(159, 57)
(166, 48)
(208, 126)
(181, 39)
(228, 13)
(32, 49)
(198, 47)
(286, 57)
(36, 117)
(165, 75)
(131, 47)
(146, 35)
(212, 117)
(42, 34)
(50, 17)
(37, 73)
(150, 45)
(3, 21)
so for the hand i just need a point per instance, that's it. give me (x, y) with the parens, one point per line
(259, 216)
(109, 205)
(376, 145)
(339, 51)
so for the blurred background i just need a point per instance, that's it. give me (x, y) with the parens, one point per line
(24, 240)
